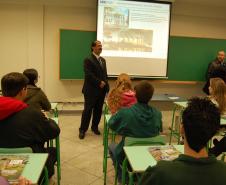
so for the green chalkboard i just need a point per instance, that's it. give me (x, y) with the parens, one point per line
(188, 57)
(74, 47)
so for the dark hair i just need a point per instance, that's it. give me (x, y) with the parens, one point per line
(201, 120)
(144, 91)
(13, 83)
(32, 75)
(93, 44)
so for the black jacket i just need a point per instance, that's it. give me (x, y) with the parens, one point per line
(27, 128)
(94, 74)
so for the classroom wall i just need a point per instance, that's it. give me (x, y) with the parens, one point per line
(29, 37)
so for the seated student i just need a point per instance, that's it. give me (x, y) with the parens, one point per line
(22, 125)
(217, 90)
(200, 122)
(35, 96)
(139, 120)
(122, 95)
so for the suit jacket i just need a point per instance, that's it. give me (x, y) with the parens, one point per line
(94, 74)
(214, 66)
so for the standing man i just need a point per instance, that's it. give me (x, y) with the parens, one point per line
(94, 89)
(216, 68)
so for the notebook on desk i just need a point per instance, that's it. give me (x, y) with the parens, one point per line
(167, 153)
(11, 166)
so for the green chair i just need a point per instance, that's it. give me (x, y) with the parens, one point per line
(45, 180)
(132, 141)
(175, 125)
(107, 116)
(105, 142)
(53, 114)
(106, 112)
(54, 109)
(57, 145)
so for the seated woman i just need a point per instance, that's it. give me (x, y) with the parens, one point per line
(122, 95)
(217, 91)
(35, 96)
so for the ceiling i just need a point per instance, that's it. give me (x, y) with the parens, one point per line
(92, 3)
(219, 3)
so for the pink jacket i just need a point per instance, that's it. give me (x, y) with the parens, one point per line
(128, 98)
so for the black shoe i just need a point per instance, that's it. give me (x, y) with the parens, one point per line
(96, 131)
(81, 135)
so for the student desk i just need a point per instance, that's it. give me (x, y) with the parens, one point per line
(34, 167)
(166, 97)
(180, 106)
(140, 159)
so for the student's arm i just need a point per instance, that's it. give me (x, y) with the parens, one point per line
(3, 181)
(116, 123)
(45, 104)
(43, 128)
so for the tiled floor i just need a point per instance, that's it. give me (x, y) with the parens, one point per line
(81, 160)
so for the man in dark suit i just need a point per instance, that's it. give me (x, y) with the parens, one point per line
(216, 68)
(94, 89)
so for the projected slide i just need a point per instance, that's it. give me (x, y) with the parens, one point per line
(137, 31)
(118, 36)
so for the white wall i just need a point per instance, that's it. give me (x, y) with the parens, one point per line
(21, 38)
(68, 18)
(29, 37)
(198, 21)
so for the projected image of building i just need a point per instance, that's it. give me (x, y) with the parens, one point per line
(128, 40)
(116, 17)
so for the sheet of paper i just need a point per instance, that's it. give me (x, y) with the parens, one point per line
(173, 97)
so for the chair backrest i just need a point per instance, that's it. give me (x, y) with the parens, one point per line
(157, 140)
(106, 108)
(15, 150)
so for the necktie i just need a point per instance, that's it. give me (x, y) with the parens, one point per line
(101, 63)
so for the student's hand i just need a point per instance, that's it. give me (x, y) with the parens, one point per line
(102, 84)
(23, 181)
